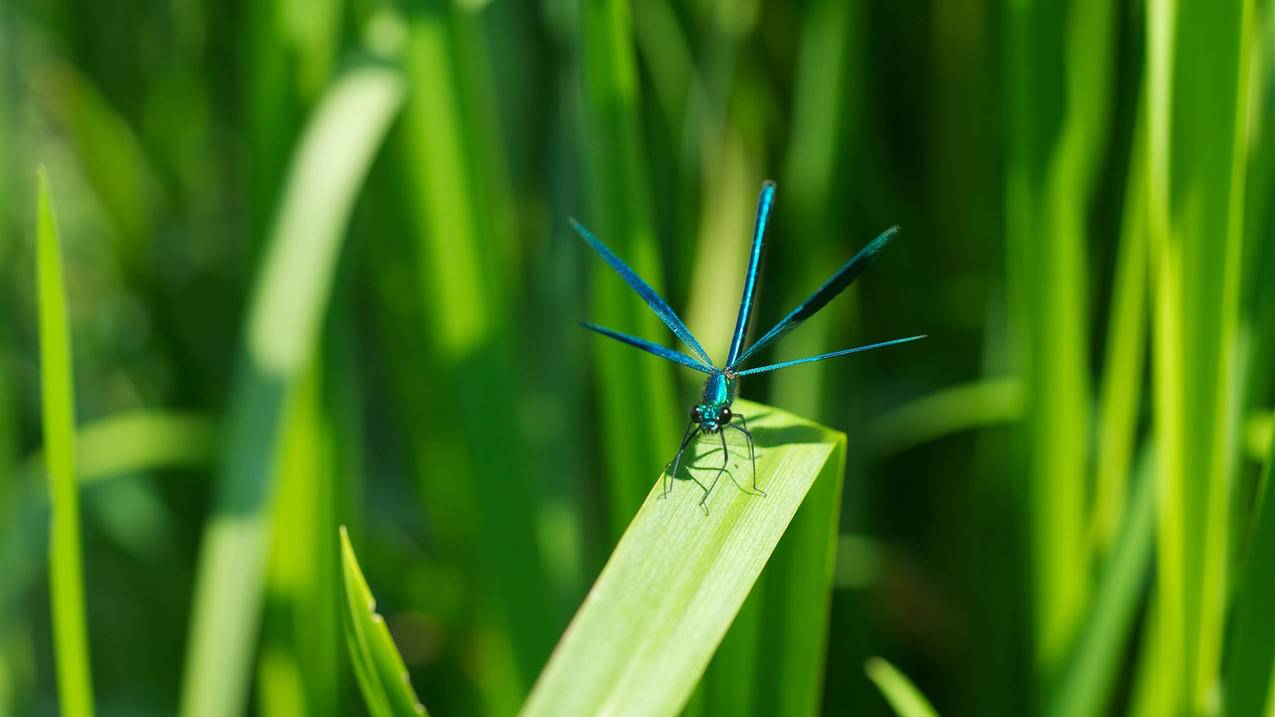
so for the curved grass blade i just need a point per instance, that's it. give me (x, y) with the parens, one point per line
(677, 579)
(764, 204)
(647, 346)
(66, 574)
(835, 284)
(898, 690)
(378, 667)
(283, 319)
(644, 290)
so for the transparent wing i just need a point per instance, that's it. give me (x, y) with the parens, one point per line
(661, 351)
(644, 290)
(764, 204)
(816, 301)
(834, 354)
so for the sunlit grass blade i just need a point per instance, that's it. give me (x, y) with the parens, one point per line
(66, 573)
(299, 670)
(1125, 356)
(898, 690)
(1093, 664)
(678, 577)
(387, 690)
(1197, 63)
(1250, 654)
(282, 322)
(136, 442)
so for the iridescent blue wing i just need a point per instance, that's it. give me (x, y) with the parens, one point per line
(662, 352)
(820, 357)
(816, 301)
(764, 204)
(644, 290)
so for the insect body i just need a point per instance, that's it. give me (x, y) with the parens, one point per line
(713, 414)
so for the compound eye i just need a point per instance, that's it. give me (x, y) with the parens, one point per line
(696, 414)
(724, 416)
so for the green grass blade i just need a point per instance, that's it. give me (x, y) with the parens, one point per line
(465, 290)
(291, 295)
(1124, 360)
(969, 406)
(1095, 661)
(299, 671)
(797, 585)
(66, 574)
(678, 577)
(136, 442)
(898, 690)
(379, 668)
(1250, 659)
(1197, 61)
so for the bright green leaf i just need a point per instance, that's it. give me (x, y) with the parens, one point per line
(377, 665)
(678, 577)
(898, 690)
(66, 575)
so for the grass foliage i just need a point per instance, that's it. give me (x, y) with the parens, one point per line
(387, 689)
(678, 577)
(57, 393)
(316, 267)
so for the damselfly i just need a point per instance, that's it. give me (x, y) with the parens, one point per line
(713, 414)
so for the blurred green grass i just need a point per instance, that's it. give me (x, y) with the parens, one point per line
(1058, 490)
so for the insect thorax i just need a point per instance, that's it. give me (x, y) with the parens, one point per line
(719, 390)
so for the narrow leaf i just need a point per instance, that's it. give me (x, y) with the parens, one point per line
(66, 575)
(379, 668)
(898, 690)
(678, 577)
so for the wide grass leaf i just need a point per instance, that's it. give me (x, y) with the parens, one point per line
(678, 577)
(66, 574)
(379, 668)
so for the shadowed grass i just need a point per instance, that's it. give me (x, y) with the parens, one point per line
(66, 574)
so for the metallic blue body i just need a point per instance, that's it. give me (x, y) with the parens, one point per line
(764, 204)
(713, 414)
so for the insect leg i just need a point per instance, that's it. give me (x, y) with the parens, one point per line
(691, 430)
(752, 450)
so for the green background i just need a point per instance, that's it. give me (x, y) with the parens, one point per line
(1054, 504)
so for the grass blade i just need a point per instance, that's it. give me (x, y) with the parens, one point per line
(66, 574)
(291, 295)
(677, 579)
(378, 667)
(898, 690)
(1197, 61)
(1086, 680)
(965, 407)
(1250, 663)
(465, 294)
